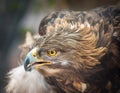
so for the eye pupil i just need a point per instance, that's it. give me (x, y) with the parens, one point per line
(52, 52)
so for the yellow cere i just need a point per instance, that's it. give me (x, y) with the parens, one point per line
(34, 53)
(51, 52)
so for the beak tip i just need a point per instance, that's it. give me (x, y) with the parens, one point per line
(26, 63)
(28, 69)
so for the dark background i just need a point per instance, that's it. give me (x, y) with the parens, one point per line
(11, 33)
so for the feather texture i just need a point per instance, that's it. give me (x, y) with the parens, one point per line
(87, 60)
(27, 82)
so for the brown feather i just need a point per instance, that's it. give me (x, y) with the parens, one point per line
(88, 45)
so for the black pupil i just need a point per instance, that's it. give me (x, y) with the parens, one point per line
(52, 52)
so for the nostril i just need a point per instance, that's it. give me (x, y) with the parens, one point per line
(34, 55)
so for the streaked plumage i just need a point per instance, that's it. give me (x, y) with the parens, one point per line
(77, 52)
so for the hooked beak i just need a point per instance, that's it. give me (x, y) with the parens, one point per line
(33, 61)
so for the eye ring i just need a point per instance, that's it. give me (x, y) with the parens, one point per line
(51, 52)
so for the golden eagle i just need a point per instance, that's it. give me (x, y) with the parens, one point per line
(77, 52)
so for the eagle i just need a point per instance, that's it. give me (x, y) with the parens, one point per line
(76, 52)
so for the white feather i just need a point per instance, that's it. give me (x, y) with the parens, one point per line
(27, 82)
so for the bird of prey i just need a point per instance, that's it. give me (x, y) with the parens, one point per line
(77, 52)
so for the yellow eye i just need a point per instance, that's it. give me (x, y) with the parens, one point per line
(51, 52)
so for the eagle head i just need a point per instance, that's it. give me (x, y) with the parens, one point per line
(66, 55)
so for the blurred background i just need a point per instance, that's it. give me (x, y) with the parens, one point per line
(19, 16)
